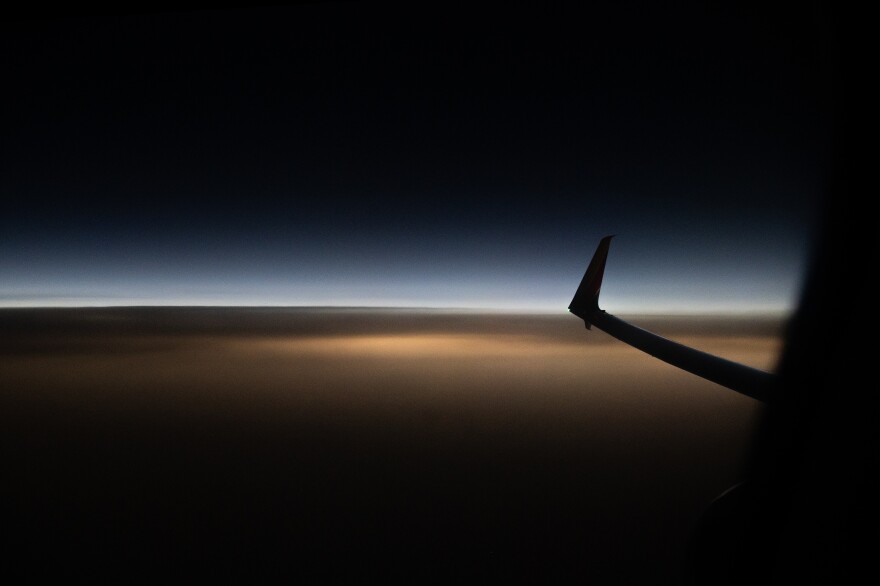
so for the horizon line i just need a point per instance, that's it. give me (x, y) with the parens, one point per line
(731, 312)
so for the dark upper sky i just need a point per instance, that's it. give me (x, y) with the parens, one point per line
(358, 154)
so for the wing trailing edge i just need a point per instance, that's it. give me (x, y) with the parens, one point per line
(743, 379)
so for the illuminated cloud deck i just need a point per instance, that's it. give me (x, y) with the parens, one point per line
(343, 443)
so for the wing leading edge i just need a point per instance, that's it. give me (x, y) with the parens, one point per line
(585, 304)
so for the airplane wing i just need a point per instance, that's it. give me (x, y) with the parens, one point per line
(585, 304)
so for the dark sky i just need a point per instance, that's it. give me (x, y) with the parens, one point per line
(359, 154)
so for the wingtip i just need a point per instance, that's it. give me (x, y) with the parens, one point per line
(586, 298)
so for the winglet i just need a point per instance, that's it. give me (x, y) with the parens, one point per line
(586, 298)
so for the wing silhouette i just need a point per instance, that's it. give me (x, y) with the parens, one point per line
(585, 304)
